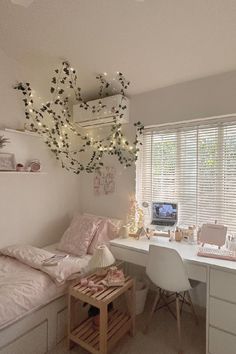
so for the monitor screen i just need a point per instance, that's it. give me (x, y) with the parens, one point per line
(164, 211)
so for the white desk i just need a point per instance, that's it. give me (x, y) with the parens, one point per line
(219, 275)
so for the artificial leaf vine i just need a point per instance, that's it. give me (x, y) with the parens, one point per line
(53, 121)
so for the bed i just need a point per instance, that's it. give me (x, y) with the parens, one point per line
(33, 308)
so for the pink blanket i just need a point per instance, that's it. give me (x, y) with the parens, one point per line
(24, 289)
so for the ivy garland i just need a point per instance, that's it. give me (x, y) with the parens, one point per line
(53, 121)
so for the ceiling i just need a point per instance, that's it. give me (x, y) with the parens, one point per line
(155, 43)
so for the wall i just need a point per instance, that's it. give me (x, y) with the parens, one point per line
(34, 209)
(196, 99)
(206, 97)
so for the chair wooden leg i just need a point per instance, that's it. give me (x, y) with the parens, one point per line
(155, 304)
(183, 301)
(192, 307)
(178, 323)
(167, 305)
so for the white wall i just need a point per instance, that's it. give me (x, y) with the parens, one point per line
(215, 95)
(33, 208)
(196, 99)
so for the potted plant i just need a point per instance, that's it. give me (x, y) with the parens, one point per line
(3, 141)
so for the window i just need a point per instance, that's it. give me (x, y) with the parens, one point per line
(194, 165)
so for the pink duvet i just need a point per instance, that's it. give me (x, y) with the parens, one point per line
(23, 289)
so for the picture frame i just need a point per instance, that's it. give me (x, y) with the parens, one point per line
(7, 162)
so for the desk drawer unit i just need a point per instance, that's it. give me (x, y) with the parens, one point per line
(222, 315)
(222, 312)
(124, 254)
(221, 342)
(196, 272)
(223, 285)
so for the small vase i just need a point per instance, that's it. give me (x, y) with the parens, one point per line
(124, 232)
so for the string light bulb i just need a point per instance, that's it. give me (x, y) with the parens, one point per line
(58, 139)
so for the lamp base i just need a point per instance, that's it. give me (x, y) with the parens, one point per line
(101, 272)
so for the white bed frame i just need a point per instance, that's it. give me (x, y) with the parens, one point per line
(37, 332)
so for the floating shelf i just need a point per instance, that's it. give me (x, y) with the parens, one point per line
(23, 132)
(22, 173)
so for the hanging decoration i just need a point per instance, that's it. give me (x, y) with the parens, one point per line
(135, 216)
(53, 121)
(104, 180)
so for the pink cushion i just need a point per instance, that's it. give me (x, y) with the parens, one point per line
(106, 231)
(79, 235)
(117, 222)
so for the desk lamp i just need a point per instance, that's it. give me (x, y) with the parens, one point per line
(101, 259)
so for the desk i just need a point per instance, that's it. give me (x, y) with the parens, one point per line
(219, 276)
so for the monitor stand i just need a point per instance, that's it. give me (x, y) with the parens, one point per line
(161, 233)
(161, 230)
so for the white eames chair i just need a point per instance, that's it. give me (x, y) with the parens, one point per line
(166, 270)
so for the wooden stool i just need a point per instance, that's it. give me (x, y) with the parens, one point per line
(112, 326)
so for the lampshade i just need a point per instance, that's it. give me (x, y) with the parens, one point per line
(102, 258)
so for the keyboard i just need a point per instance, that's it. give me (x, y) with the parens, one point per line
(217, 253)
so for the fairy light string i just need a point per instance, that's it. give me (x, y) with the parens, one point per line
(53, 121)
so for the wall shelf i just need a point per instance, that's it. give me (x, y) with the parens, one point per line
(22, 173)
(23, 132)
(16, 147)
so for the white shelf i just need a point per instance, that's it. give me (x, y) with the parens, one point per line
(23, 132)
(22, 173)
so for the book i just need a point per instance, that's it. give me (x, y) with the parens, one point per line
(52, 261)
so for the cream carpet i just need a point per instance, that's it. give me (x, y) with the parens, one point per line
(161, 337)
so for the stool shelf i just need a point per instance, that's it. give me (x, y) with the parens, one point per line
(87, 335)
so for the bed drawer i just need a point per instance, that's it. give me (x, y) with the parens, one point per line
(61, 325)
(222, 315)
(223, 285)
(34, 341)
(221, 342)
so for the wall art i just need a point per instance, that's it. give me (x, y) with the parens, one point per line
(104, 181)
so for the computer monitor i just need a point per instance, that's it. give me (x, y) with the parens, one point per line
(164, 213)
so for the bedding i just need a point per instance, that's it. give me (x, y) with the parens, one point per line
(79, 235)
(66, 269)
(24, 289)
(106, 232)
(117, 222)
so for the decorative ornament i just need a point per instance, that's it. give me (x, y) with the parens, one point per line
(20, 167)
(34, 166)
(135, 216)
(52, 120)
(104, 181)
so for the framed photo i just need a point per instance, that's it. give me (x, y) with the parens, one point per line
(7, 162)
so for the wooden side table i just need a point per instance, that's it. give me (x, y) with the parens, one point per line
(112, 326)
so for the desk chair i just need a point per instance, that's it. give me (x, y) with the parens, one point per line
(166, 270)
